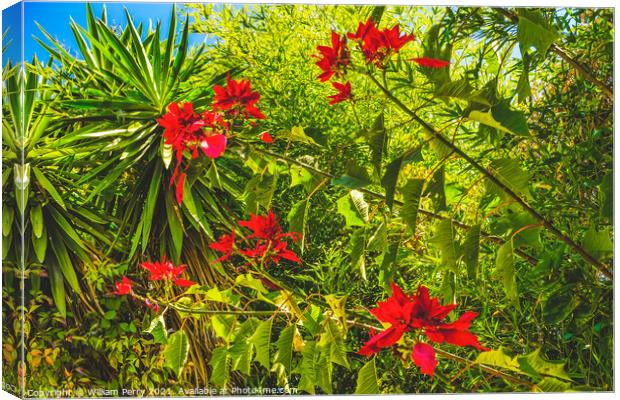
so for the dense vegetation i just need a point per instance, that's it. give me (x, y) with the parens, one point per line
(274, 208)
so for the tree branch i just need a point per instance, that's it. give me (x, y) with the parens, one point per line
(600, 267)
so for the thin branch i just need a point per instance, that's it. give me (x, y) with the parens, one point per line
(600, 267)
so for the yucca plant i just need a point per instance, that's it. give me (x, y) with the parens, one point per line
(37, 190)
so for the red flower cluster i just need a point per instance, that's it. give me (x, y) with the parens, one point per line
(166, 270)
(123, 287)
(267, 237)
(333, 60)
(426, 315)
(344, 92)
(237, 98)
(377, 45)
(185, 129)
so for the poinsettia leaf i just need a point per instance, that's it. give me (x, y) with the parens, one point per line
(285, 347)
(261, 340)
(220, 369)
(411, 202)
(176, 352)
(367, 381)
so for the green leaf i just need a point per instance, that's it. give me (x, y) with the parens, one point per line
(285, 347)
(505, 267)
(47, 185)
(498, 358)
(176, 352)
(606, 196)
(377, 140)
(356, 176)
(358, 248)
(174, 225)
(502, 118)
(251, 282)
(298, 135)
(390, 180)
(297, 219)
(149, 204)
(552, 385)
(261, 340)
(560, 305)
(57, 286)
(241, 356)
(411, 202)
(219, 364)
(367, 381)
(436, 189)
(535, 366)
(348, 209)
(509, 173)
(307, 368)
(8, 214)
(445, 241)
(332, 339)
(379, 240)
(471, 249)
(40, 245)
(21, 178)
(534, 30)
(598, 243)
(64, 262)
(36, 219)
(157, 329)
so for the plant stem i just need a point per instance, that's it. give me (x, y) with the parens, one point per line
(600, 267)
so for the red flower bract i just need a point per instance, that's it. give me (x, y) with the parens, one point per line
(333, 60)
(237, 98)
(123, 287)
(431, 62)
(269, 244)
(266, 137)
(344, 92)
(184, 129)
(377, 45)
(166, 270)
(424, 314)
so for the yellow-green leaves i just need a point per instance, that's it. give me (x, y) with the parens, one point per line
(176, 352)
(367, 381)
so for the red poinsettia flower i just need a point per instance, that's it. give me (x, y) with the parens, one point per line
(266, 137)
(333, 60)
(423, 314)
(123, 287)
(344, 92)
(377, 45)
(431, 62)
(166, 270)
(269, 242)
(224, 245)
(186, 130)
(237, 98)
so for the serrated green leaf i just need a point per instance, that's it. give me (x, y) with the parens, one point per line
(285, 347)
(367, 381)
(505, 267)
(534, 365)
(176, 352)
(534, 30)
(157, 329)
(261, 340)
(411, 202)
(220, 369)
